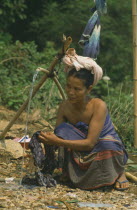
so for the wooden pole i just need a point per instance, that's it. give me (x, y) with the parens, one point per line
(59, 87)
(66, 44)
(134, 21)
(55, 79)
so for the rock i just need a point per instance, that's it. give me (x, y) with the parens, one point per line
(11, 147)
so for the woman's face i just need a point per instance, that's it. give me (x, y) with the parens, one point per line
(76, 90)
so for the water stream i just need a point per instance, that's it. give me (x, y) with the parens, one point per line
(27, 118)
(29, 103)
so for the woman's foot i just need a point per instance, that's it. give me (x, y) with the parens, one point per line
(122, 183)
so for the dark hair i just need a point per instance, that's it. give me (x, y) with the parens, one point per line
(82, 74)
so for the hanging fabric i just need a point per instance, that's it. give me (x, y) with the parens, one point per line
(90, 38)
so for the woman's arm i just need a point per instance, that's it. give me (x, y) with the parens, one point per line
(95, 127)
(97, 122)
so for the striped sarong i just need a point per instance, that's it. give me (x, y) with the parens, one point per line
(99, 167)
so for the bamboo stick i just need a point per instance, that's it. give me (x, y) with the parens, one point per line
(59, 87)
(48, 99)
(134, 21)
(66, 44)
(131, 177)
(55, 79)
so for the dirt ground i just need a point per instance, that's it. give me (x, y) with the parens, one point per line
(13, 195)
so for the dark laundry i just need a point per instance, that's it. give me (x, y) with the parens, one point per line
(45, 163)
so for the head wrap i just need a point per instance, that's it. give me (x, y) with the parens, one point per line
(72, 60)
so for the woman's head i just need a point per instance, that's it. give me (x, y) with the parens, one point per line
(84, 75)
(79, 84)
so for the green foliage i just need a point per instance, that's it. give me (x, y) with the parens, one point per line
(55, 19)
(101, 89)
(116, 40)
(44, 21)
(10, 11)
(18, 64)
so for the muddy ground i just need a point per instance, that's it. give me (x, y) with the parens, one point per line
(13, 195)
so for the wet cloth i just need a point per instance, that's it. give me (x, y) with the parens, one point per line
(45, 163)
(103, 164)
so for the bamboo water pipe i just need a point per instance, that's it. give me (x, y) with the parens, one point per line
(66, 43)
(134, 21)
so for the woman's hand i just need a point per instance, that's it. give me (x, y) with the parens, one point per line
(48, 138)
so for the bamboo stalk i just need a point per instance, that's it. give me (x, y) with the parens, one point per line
(66, 44)
(55, 79)
(131, 177)
(47, 105)
(134, 21)
(59, 87)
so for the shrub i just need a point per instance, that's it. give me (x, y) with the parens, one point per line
(18, 64)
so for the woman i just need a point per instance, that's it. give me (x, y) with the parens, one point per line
(94, 155)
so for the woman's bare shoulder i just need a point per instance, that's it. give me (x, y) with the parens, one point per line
(99, 104)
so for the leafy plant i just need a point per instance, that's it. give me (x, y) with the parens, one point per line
(18, 64)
